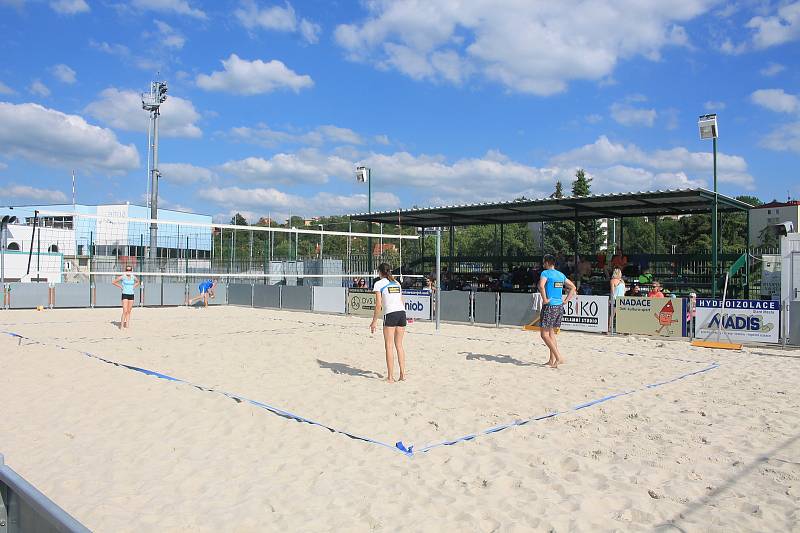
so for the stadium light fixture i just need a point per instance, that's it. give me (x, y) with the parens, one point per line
(151, 102)
(710, 130)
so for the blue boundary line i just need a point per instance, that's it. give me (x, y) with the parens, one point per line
(400, 446)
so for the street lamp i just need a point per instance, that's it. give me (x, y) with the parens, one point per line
(364, 174)
(709, 130)
(4, 222)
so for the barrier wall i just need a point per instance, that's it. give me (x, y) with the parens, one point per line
(484, 308)
(173, 294)
(241, 294)
(516, 309)
(29, 295)
(794, 323)
(297, 298)
(220, 295)
(456, 306)
(267, 296)
(151, 294)
(107, 295)
(72, 295)
(330, 299)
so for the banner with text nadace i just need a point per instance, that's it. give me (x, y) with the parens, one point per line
(586, 313)
(742, 320)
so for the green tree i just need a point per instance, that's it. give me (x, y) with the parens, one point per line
(556, 234)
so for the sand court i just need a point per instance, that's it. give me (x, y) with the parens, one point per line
(121, 450)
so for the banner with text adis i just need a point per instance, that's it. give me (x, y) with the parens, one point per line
(662, 317)
(742, 320)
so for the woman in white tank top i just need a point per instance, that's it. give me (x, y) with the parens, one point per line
(389, 299)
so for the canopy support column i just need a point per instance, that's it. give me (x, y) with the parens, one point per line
(452, 253)
(502, 246)
(747, 263)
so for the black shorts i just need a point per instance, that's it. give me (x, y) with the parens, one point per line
(127, 296)
(395, 320)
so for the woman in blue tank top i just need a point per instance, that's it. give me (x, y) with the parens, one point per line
(127, 282)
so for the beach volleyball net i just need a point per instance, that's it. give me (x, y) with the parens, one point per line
(80, 247)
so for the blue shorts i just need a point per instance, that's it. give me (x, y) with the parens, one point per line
(204, 288)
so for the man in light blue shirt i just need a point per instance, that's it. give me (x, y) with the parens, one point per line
(551, 288)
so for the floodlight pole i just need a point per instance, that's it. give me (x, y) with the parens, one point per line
(154, 190)
(152, 103)
(714, 230)
(369, 210)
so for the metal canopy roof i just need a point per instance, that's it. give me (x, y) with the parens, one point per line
(617, 205)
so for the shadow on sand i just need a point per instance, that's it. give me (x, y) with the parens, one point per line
(471, 356)
(342, 368)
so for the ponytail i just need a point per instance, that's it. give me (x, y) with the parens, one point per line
(386, 271)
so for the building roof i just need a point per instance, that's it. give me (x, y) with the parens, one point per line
(775, 203)
(616, 205)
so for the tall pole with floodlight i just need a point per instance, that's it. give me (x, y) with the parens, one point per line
(364, 174)
(709, 130)
(151, 102)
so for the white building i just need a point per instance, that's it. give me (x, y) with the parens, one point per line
(771, 214)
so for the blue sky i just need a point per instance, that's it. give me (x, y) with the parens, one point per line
(272, 104)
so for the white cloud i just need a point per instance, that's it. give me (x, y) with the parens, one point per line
(276, 18)
(243, 200)
(180, 7)
(530, 47)
(304, 166)
(772, 28)
(17, 192)
(185, 173)
(122, 109)
(64, 74)
(263, 135)
(39, 89)
(69, 7)
(382, 139)
(781, 27)
(776, 100)
(593, 118)
(617, 164)
(5, 89)
(119, 50)
(57, 139)
(169, 36)
(241, 76)
(785, 137)
(628, 115)
(712, 105)
(772, 69)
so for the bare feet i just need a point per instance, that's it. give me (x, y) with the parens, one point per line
(402, 377)
(389, 380)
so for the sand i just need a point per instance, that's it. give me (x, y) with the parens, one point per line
(122, 451)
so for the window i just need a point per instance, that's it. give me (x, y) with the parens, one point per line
(53, 248)
(13, 246)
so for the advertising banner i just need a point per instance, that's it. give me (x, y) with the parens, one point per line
(663, 317)
(418, 304)
(586, 313)
(360, 302)
(742, 320)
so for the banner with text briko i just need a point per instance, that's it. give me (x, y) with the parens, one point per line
(361, 302)
(664, 317)
(586, 313)
(742, 320)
